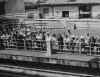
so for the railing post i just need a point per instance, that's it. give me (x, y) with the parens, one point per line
(90, 50)
(80, 50)
(48, 46)
(32, 45)
(24, 44)
(98, 50)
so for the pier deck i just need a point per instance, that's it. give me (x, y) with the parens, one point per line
(55, 61)
(42, 54)
(60, 58)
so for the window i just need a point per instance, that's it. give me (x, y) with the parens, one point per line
(45, 10)
(65, 14)
(84, 11)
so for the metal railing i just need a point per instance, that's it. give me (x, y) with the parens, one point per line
(23, 44)
(91, 49)
(77, 48)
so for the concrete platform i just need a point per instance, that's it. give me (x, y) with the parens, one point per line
(63, 60)
(60, 58)
(42, 54)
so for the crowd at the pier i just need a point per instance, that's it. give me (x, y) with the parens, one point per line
(62, 42)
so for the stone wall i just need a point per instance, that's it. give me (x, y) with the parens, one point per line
(56, 11)
(83, 26)
(96, 11)
(73, 11)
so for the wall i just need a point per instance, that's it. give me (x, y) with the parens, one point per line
(34, 13)
(73, 11)
(50, 14)
(14, 6)
(56, 11)
(96, 11)
(84, 25)
(2, 7)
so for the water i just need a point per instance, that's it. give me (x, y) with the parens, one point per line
(19, 76)
(12, 74)
(9, 74)
(5, 75)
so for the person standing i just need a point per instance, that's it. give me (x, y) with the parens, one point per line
(60, 42)
(48, 44)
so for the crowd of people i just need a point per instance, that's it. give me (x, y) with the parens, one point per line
(70, 42)
(59, 42)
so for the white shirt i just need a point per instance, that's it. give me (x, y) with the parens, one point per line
(39, 36)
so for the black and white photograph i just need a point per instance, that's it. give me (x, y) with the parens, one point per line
(49, 38)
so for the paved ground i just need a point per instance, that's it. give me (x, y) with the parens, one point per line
(43, 54)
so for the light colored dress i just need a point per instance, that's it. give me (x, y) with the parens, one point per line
(48, 41)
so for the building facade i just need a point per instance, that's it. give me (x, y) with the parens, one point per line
(85, 14)
(11, 6)
(72, 9)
